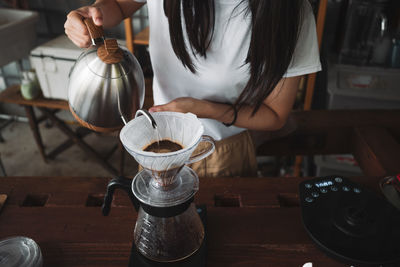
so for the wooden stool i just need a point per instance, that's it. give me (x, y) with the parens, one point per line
(49, 109)
(2, 169)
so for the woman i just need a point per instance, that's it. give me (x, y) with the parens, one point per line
(234, 63)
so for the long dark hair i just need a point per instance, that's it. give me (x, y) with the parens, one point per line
(275, 29)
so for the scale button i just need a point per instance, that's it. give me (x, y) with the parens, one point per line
(324, 190)
(315, 194)
(309, 199)
(338, 179)
(346, 188)
(334, 188)
(308, 185)
(357, 190)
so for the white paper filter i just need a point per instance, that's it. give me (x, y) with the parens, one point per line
(183, 128)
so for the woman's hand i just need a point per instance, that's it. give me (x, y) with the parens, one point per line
(184, 105)
(76, 30)
(104, 13)
(201, 108)
(271, 116)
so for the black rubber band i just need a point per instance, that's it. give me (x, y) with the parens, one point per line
(235, 113)
(167, 212)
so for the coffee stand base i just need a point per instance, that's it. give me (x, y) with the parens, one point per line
(198, 259)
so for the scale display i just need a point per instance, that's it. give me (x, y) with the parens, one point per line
(323, 184)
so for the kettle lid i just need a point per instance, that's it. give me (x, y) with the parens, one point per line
(109, 65)
(109, 52)
(105, 58)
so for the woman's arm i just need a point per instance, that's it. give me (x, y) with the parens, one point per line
(106, 13)
(114, 11)
(272, 114)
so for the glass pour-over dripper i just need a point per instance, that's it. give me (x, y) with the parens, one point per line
(184, 129)
(168, 227)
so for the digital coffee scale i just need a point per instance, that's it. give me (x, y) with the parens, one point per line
(349, 222)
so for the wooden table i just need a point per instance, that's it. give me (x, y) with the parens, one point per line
(49, 108)
(251, 221)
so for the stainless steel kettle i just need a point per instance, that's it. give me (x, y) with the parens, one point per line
(106, 84)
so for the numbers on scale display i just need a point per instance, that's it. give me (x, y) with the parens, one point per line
(324, 184)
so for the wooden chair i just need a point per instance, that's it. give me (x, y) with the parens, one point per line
(129, 34)
(2, 169)
(142, 38)
(307, 83)
(311, 78)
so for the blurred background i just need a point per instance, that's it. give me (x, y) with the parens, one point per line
(360, 53)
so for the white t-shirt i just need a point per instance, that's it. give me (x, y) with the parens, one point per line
(222, 76)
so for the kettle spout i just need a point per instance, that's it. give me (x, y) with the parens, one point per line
(148, 116)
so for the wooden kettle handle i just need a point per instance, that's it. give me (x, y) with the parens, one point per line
(95, 31)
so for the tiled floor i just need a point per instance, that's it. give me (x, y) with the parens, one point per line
(20, 155)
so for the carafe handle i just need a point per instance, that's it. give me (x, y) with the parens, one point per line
(204, 153)
(122, 183)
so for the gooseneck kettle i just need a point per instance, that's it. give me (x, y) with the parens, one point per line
(106, 84)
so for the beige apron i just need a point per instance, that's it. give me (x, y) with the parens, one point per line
(233, 156)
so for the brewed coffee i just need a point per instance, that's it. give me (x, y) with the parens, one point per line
(163, 146)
